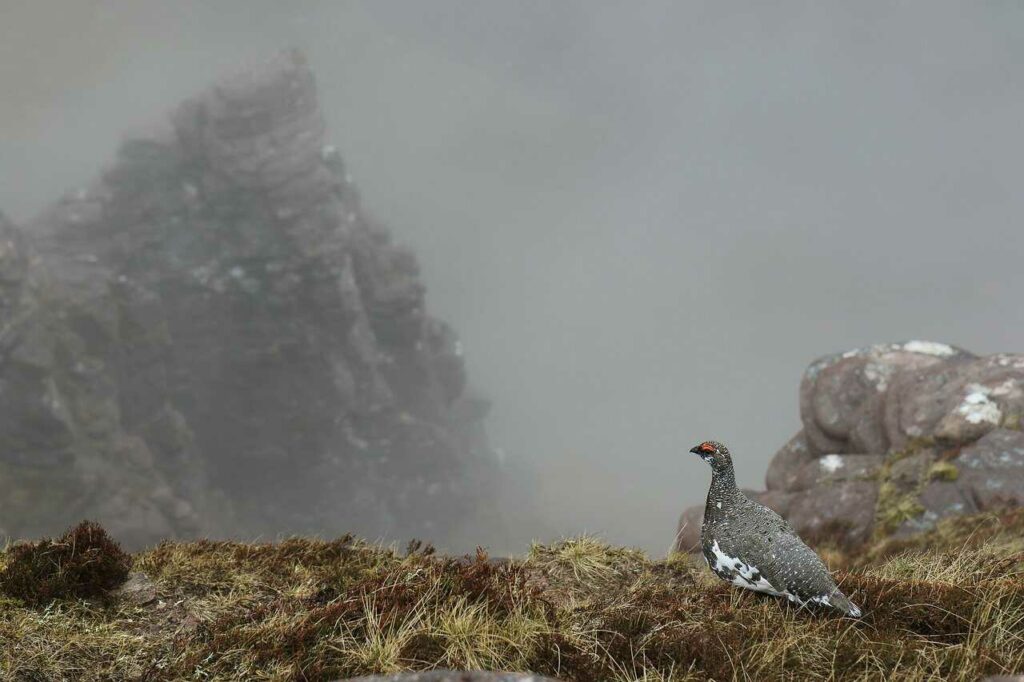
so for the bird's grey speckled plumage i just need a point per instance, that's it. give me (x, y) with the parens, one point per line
(751, 546)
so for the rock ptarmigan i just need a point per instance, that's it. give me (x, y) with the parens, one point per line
(749, 545)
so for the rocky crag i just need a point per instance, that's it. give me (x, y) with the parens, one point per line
(215, 336)
(895, 438)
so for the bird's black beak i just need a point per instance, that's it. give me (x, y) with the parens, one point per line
(695, 450)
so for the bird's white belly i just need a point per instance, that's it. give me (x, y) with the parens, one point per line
(746, 576)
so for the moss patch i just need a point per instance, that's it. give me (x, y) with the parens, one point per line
(894, 506)
(943, 470)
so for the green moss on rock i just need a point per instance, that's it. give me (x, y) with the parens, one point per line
(943, 471)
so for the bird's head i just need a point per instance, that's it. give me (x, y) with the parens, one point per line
(714, 453)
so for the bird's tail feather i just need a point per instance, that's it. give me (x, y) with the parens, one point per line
(839, 601)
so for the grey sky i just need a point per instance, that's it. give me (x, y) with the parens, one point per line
(644, 219)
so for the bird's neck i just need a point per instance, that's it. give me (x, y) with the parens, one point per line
(723, 483)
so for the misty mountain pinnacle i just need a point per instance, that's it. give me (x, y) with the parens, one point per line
(749, 545)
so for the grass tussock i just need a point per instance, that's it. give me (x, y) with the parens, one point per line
(84, 562)
(947, 605)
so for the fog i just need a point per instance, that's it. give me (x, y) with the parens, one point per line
(643, 219)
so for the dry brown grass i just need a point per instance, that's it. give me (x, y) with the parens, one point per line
(949, 605)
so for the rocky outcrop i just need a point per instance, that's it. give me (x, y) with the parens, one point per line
(63, 452)
(896, 437)
(215, 336)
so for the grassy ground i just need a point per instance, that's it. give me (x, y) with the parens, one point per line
(948, 605)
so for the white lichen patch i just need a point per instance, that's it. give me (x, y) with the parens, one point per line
(977, 407)
(875, 350)
(814, 369)
(1007, 360)
(878, 374)
(1011, 388)
(831, 463)
(940, 350)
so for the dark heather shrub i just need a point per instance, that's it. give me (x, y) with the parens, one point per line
(84, 562)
